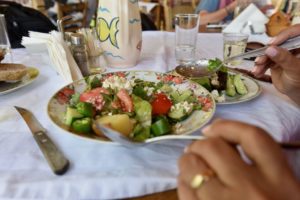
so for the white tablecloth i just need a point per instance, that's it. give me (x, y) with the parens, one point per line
(107, 171)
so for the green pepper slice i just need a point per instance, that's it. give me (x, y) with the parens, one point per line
(86, 109)
(83, 125)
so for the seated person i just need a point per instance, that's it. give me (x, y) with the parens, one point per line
(214, 11)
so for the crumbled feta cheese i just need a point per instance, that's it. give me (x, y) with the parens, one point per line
(218, 97)
(188, 107)
(149, 90)
(214, 80)
(117, 83)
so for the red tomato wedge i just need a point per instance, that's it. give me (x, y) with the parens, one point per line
(64, 95)
(86, 96)
(126, 101)
(161, 104)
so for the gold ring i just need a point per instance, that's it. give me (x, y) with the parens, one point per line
(199, 179)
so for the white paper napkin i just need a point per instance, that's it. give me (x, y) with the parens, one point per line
(59, 53)
(251, 15)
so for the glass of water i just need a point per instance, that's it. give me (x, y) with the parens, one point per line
(234, 44)
(5, 48)
(186, 29)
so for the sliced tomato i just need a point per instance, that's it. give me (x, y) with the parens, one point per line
(126, 101)
(61, 98)
(67, 91)
(161, 104)
(86, 96)
(116, 104)
(64, 95)
(205, 102)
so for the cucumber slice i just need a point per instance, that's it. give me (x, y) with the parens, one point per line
(230, 88)
(239, 85)
(179, 114)
(71, 115)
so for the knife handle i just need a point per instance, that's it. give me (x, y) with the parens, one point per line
(57, 161)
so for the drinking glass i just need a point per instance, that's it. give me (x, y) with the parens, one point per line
(5, 49)
(234, 44)
(186, 31)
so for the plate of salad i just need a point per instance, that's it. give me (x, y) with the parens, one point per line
(226, 85)
(138, 104)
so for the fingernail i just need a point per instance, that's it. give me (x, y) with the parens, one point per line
(254, 70)
(272, 52)
(206, 130)
(271, 40)
(257, 59)
(186, 149)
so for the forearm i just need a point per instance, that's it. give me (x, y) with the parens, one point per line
(217, 16)
(214, 17)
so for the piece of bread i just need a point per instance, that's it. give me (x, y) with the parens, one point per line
(12, 72)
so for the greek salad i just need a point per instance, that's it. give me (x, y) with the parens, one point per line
(137, 108)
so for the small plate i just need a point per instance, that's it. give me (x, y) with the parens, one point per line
(8, 87)
(254, 90)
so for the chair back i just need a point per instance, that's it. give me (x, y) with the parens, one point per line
(173, 7)
(78, 11)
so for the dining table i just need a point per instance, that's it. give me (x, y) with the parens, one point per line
(106, 170)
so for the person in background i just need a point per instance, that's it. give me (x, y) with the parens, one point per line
(213, 168)
(214, 11)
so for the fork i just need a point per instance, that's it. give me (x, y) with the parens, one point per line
(128, 142)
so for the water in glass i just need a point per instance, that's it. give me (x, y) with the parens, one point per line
(186, 31)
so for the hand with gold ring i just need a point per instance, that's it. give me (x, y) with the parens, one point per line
(284, 65)
(213, 168)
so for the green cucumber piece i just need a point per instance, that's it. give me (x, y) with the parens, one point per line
(239, 85)
(178, 114)
(160, 127)
(71, 115)
(230, 88)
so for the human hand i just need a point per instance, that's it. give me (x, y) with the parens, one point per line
(284, 65)
(268, 177)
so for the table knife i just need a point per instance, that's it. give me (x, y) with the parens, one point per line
(55, 158)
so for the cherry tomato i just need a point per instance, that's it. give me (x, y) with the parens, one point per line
(161, 104)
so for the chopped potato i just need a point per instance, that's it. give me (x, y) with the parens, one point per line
(120, 122)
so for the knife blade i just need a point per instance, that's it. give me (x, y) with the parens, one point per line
(55, 158)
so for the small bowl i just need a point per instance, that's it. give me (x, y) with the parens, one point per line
(194, 69)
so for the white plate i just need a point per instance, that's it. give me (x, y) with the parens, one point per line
(8, 87)
(57, 109)
(254, 90)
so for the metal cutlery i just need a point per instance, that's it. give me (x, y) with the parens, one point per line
(55, 158)
(126, 141)
(199, 69)
(290, 44)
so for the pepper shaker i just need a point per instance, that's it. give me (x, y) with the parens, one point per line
(79, 52)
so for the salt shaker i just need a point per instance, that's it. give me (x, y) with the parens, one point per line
(79, 52)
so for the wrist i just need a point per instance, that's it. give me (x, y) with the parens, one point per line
(227, 10)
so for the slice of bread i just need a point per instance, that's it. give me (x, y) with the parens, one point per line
(12, 72)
